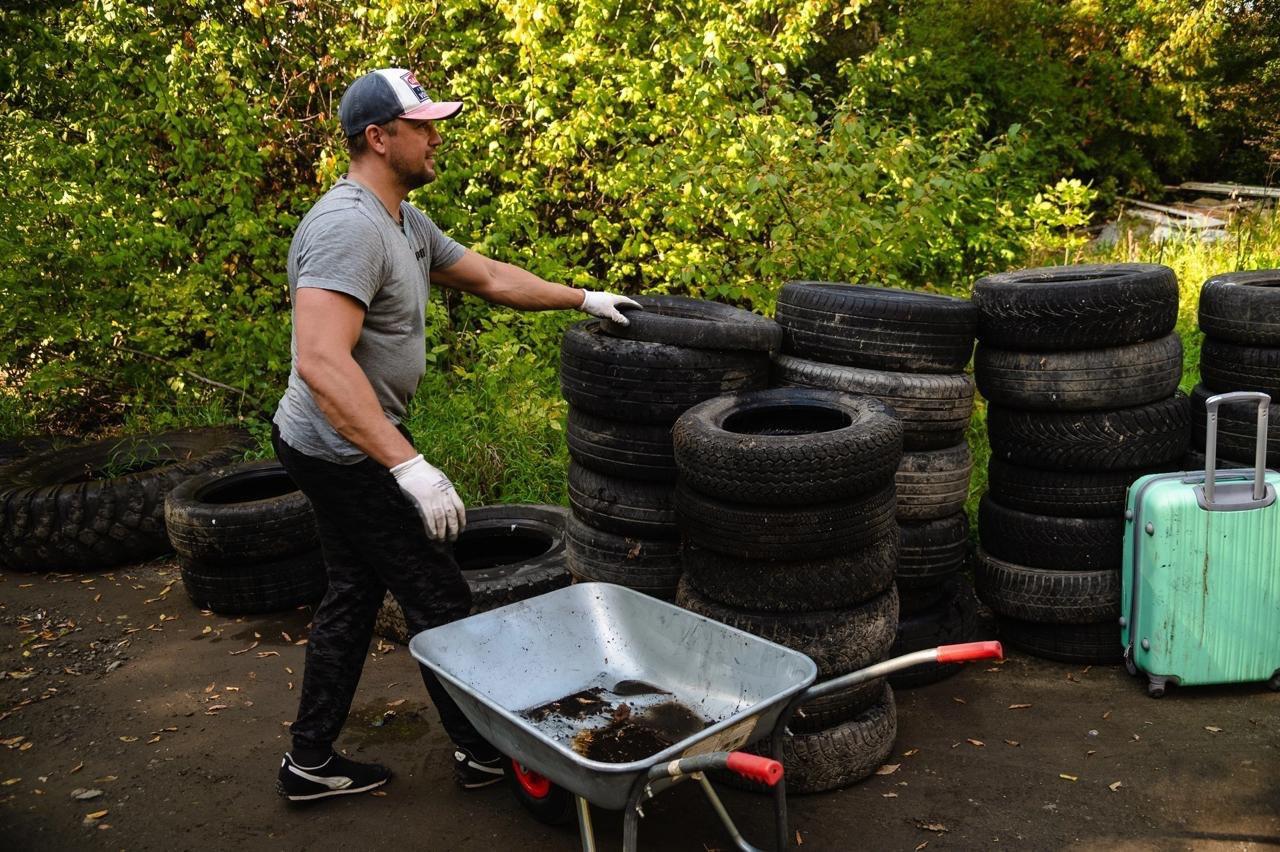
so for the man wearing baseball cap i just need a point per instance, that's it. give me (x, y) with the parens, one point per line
(359, 269)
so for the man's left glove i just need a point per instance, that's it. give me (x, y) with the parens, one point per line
(604, 305)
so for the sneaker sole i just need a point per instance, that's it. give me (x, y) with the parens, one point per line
(476, 785)
(327, 793)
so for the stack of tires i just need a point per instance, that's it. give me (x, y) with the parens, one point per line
(1080, 367)
(786, 501)
(246, 540)
(625, 386)
(1240, 318)
(908, 349)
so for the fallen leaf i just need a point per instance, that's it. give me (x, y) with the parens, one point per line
(932, 826)
(301, 642)
(1071, 677)
(97, 597)
(1106, 715)
(209, 688)
(378, 793)
(82, 794)
(76, 768)
(265, 654)
(921, 846)
(25, 746)
(128, 739)
(105, 778)
(1136, 738)
(888, 769)
(1114, 786)
(1013, 743)
(103, 826)
(959, 700)
(153, 740)
(289, 670)
(889, 795)
(207, 629)
(799, 839)
(397, 702)
(1065, 777)
(1213, 729)
(213, 711)
(910, 752)
(9, 782)
(1091, 752)
(96, 815)
(286, 636)
(975, 743)
(243, 650)
(291, 684)
(12, 742)
(1019, 706)
(955, 745)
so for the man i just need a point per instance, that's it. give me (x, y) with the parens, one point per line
(359, 268)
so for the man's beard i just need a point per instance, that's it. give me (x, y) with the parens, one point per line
(410, 174)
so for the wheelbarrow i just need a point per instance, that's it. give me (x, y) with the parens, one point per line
(538, 678)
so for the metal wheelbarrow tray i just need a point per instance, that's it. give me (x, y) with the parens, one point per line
(498, 665)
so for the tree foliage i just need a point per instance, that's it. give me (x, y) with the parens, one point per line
(157, 157)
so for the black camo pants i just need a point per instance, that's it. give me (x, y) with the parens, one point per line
(373, 540)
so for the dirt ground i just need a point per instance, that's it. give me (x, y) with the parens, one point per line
(113, 682)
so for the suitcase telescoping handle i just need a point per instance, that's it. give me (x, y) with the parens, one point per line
(1211, 440)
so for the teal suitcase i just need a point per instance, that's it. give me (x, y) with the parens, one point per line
(1201, 581)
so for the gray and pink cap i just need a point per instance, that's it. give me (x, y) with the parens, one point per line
(388, 93)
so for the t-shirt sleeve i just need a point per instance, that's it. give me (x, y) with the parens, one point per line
(445, 250)
(342, 251)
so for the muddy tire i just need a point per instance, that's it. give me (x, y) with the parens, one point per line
(842, 755)
(933, 484)
(831, 582)
(1050, 597)
(507, 553)
(1237, 428)
(649, 382)
(1051, 542)
(1242, 307)
(696, 323)
(1090, 644)
(651, 566)
(1067, 494)
(617, 448)
(1229, 366)
(878, 328)
(242, 513)
(245, 588)
(952, 621)
(934, 408)
(931, 551)
(101, 504)
(838, 641)
(1086, 380)
(626, 507)
(1136, 438)
(1086, 306)
(784, 532)
(787, 446)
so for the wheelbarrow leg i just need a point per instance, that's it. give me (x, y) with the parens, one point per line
(729, 825)
(584, 824)
(780, 789)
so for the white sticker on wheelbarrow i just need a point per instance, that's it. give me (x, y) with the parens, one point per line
(729, 739)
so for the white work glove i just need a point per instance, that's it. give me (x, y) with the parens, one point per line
(604, 305)
(432, 492)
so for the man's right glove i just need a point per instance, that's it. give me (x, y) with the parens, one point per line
(434, 495)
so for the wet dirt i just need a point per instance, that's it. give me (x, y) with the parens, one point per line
(630, 737)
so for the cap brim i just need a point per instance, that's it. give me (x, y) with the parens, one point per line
(433, 110)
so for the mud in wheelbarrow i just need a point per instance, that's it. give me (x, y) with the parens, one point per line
(529, 676)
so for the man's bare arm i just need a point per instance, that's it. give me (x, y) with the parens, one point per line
(505, 284)
(327, 325)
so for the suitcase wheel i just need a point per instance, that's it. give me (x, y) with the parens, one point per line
(1274, 683)
(1156, 686)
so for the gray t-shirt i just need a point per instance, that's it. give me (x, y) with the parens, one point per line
(348, 242)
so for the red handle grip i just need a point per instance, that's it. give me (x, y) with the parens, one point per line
(755, 767)
(970, 651)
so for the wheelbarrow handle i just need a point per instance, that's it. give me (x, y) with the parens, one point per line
(967, 651)
(751, 766)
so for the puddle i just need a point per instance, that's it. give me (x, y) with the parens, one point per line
(598, 724)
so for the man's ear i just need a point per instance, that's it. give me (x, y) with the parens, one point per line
(377, 138)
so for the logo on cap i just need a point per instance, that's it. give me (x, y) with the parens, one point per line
(412, 82)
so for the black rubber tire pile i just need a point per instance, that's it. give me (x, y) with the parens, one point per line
(1080, 367)
(626, 386)
(1240, 318)
(786, 501)
(246, 540)
(97, 505)
(909, 349)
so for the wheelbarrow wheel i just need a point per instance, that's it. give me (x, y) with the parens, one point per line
(547, 802)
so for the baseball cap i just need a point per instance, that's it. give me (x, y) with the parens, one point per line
(388, 93)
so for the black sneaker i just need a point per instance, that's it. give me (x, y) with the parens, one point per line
(337, 776)
(472, 774)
